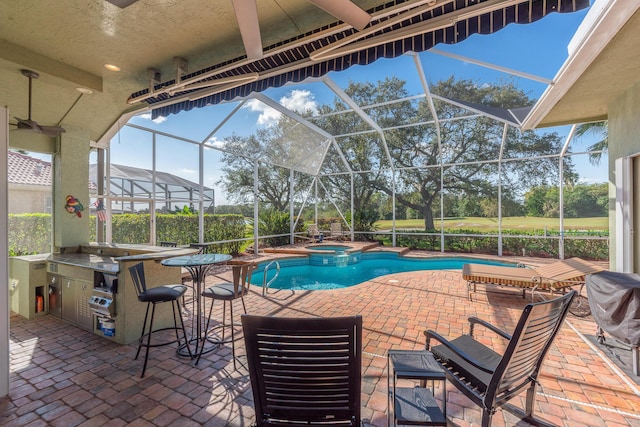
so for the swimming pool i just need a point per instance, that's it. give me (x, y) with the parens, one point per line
(321, 272)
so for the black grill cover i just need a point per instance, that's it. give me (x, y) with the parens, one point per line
(614, 299)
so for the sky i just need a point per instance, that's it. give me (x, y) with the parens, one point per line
(539, 48)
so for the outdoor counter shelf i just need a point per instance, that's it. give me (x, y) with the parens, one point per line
(89, 286)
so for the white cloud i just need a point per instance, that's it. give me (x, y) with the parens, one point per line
(158, 120)
(268, 116)
(216, 143)
(299, 101)
(188, 172)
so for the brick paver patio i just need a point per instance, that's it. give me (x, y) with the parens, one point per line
(64, 376)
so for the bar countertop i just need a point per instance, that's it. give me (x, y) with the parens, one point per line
(101, 263)
(107, 257)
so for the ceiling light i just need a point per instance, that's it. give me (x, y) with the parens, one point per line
(111, 67)
(84, 90)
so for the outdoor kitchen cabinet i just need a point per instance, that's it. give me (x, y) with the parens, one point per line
(28, 287)
(54, 283)
(75, 306)
(68, 299)
(68, 296)
(65, 284)
(84, 314)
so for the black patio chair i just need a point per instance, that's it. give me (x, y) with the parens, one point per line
(305, 371)
(490, 379)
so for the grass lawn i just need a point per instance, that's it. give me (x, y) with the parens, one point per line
(512, 223)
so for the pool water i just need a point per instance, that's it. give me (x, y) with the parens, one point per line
(308, 274)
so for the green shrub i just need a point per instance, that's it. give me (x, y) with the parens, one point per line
(364, 220)
(272, 222)
(29, 234)
(514, 242)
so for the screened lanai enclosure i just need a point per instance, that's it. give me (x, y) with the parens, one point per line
(129, 183)
(426, 149)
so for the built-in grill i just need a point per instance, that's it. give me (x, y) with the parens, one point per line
(614, 299)
(102, 300)
(102, 303)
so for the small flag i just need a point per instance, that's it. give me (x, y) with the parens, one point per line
(101, 212)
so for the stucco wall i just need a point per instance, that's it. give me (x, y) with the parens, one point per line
(71, 175)
(29, 199)
(624, 140)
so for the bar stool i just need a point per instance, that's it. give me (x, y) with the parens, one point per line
(185, 275)
(153, 296)
(229, 292)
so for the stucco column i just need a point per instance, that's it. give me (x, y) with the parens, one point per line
(4, 256)
(624, 128)
(71, 178)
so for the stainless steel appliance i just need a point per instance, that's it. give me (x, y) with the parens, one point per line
(102, 301)
(55, 294)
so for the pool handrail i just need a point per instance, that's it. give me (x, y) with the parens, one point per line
(265, 284)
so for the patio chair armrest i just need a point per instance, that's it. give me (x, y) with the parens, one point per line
(477, 321)
(429, 334)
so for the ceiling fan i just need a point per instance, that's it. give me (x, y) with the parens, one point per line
(247, 16)
(32, 125)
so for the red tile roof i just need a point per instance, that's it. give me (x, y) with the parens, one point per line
(22, 169)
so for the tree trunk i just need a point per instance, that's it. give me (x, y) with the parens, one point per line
(428, 218)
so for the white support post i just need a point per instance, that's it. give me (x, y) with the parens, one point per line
(201, 191)
(561, 202)
(624, 214)
(353, 214)
(505, 131)
(292, 221)
(393, 207)
(315, 202)
(4, 255)
(563, 153)
(255, 207)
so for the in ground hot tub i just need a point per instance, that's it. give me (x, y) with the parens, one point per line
(333, 255)
(332, 248)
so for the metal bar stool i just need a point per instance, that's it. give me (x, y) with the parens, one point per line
(227, 291)
(153, 296)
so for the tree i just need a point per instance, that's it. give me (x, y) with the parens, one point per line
(580, 200)
(237, 173)
(599, 129)
(464, 143)
(406, 154)
(362, 146)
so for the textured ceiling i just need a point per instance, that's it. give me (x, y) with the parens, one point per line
(69, 41)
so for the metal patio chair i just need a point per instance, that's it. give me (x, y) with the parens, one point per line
(491, 379)
(305, 371)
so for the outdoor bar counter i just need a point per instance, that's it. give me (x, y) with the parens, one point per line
(90, 286)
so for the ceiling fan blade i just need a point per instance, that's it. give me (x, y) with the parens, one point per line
(122, 3)
(247, 16)
(27, 125)
(51, 130)
(346, 11)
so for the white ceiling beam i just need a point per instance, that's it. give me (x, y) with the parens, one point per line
(34, 61)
